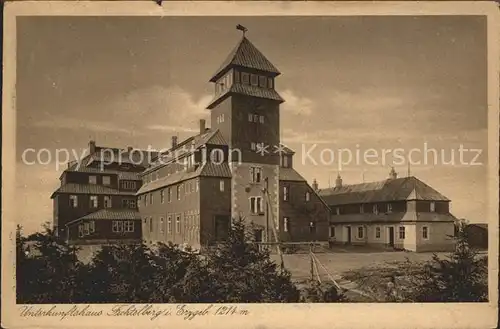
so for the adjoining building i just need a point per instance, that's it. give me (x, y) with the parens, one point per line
(193, 192)
(401, 213)
(96, 202)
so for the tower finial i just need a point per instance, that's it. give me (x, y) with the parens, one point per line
(241, 28)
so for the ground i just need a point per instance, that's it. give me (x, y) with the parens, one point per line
(341, 260)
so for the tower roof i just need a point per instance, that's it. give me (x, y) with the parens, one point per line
(245, 54)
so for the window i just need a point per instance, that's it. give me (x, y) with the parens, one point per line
(425, 232)
(332, 231)
(433, 206)
(270, 83)
(245, 78)
(308, 196)
(221, 185)
(92, 226)
(94, 202)
(150, 224)
(236, 77)
(162, 223)
(129, 226)
(254, 80)
(73, 201)
(389, 207)
(178, 224)
(262, 81)
(256, 206)
(106, 180)
(261, 119)
(285, 161)
(169, 224)
(286, 222)
(250, 117)
(129, 203)
(401, 232)
(255, 118)
(169, 194)
(222, 117)
(197, 185)
(80, 231)
(86, 228)
(162, 196)
(286, 193)
(92, 179)
(375, 209)
(377, 232)
(216, 156)
(117, 226)
(360, 232)
(107, 201)
(178, 192)
(255, 174)
(128, 185)
(151, 198)
(253, 146)
(145, 200)
(337, 211)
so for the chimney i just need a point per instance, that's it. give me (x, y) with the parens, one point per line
(315, 185)
(174, 142)
(393, 174)
(91, 147)
(202, 126)
(338, 181)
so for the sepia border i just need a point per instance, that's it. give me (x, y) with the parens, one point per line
(350, 315)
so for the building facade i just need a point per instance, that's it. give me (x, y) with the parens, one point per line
(96, 202)
(238, 168)
(400, 213)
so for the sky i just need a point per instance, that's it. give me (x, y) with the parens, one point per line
(353, 83)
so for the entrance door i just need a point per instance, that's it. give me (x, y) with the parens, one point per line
(391, 236)
(349, 235)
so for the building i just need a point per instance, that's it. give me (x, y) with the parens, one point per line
(96, 202)
(192, 192)
(401, 213)
(477, 235)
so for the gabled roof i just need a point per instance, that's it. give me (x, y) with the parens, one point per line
(394, 217)
(205, 170)
(74, 188)
(122, 175)
(186, 147)
(245, 54)
(399, 189)
(110, 214)
(291, 175)
(238, 88)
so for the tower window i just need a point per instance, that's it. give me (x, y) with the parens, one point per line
(245, 78)
(254, 80)
(433, 206)
(256, 205)
(253, 146)
(262, 82)
(255, 118)
(250, 117)
(270, 83)
(255, 174)
(308, 196)
(236, 77)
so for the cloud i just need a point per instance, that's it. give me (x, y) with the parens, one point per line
(295, 104)
(159, 108)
